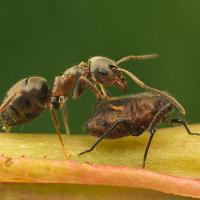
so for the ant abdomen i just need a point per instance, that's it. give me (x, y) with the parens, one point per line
(25, 101)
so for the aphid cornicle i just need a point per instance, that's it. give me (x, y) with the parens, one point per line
(141, 112)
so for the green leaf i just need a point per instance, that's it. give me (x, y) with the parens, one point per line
(173, 164)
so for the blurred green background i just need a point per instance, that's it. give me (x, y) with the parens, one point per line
(44, 37)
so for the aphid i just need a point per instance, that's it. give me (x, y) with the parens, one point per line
(100, 71)
(141, 112)
(25, 101)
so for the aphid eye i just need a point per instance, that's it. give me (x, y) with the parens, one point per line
(103, 123)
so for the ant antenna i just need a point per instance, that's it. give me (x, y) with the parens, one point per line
(142, 57)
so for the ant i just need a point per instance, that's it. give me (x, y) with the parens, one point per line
(141, 112)
(100, 71)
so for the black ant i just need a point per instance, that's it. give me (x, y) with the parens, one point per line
(141, 112)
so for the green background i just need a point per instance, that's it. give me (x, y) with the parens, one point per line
(44, 37)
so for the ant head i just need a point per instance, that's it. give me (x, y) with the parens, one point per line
(105, 71)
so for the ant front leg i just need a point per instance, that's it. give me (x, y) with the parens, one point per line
(103, 90)
(108, 98)
(84, 81)
(180, 121)
(81, 83)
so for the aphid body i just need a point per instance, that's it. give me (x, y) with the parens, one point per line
(138, 113)
(141, 112)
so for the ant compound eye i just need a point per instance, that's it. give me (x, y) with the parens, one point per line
(103, 123)
(114, 69)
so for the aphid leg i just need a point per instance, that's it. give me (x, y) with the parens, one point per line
(180, 121)
(102, 137)
(64, 114)
(146, 87)
(57, 127)
(141, 57)
(152, 131)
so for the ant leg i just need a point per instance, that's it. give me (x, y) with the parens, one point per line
(180, 121)
(57, 127)
(102, 137)
(144, 86)
(119, 108)
(103, 90)
(97, 93)
(64, 114)
(141, 57)
(152, 131)
(90, 85)
(55, 119)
